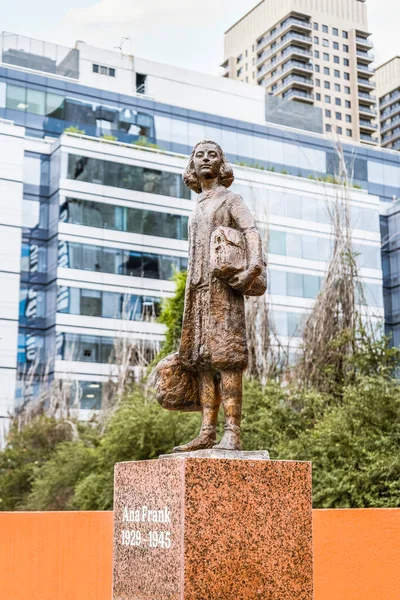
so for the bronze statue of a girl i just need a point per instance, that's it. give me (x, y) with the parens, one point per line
(225, 264)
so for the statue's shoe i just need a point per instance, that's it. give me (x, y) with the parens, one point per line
(205, 440)
(230, 440)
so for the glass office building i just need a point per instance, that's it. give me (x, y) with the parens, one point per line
(95, 222)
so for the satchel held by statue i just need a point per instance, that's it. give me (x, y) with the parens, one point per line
(228, 257)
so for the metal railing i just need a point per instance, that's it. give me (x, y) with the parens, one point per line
(294, 78)
(367, 96)
(365, 109)
(366, 123)
(298, 93)
(366, 82)
(292, 64)
(264, 41)
(288, 38)
(389, 99)
(367, 55)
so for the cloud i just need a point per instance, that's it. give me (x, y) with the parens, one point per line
(187, 33)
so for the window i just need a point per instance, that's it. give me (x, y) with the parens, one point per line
(318, 82)
(247, 53)
(120, 262)
(335, 45)
(121, 218)
(239, 72)
(325, 56)
(318, 97)
(328, 127)
(327, 85)
(336, 73)
(345, 35)
(91, 348)
(316, 26)
(103, 70)
(338, 116)
(345, 48)
(328, 113)
(346, 76)
(349, 133)
(325, 29)
(339, 130)
(327, 71)
(346, 90)
(325, 43)
(316, 53)
(317, 68)
(348, 118)
(347, 103)
(153, 181)
(346, 62)
(328, 99)
(336, 60)
(316, 39)
(335, 31)
(239, 58)
(337, 87)
(338, 102)
(92, 303)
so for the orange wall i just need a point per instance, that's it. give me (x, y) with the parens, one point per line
(67, 556)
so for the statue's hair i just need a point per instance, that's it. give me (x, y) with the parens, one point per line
(226, 176)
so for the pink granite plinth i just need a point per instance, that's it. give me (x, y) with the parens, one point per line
(212, 529)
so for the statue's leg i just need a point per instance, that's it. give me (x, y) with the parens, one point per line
(231, 384)
(210, 399)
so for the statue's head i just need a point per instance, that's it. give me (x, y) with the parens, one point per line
(207, 161)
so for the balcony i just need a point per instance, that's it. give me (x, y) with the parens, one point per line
(365, 137)
(366, 110)
(366, 57)
(290, 22)
(389, 99)
(392, 138)
(296, 79)
(291, 51)
(291, 65)
(368, 125)
(394, 110)
(365, 42)
(365, 69)
(388, 126)
(366, 83)
(299, 95)
(289, 38)
(366, 97)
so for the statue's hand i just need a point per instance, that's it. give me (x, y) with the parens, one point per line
(242, 280)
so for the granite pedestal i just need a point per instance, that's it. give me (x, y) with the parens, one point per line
(194, 528)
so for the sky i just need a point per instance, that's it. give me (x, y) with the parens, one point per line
(185, 33)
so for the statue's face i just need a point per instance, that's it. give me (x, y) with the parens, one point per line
(207, 162)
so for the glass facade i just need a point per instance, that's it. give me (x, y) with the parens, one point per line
(94, 303)
(100, 349)
(129, 177)
(287, 324)
(119, 262)
(319, 248)
(264, 202)
(122, 218)
(132, 119)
